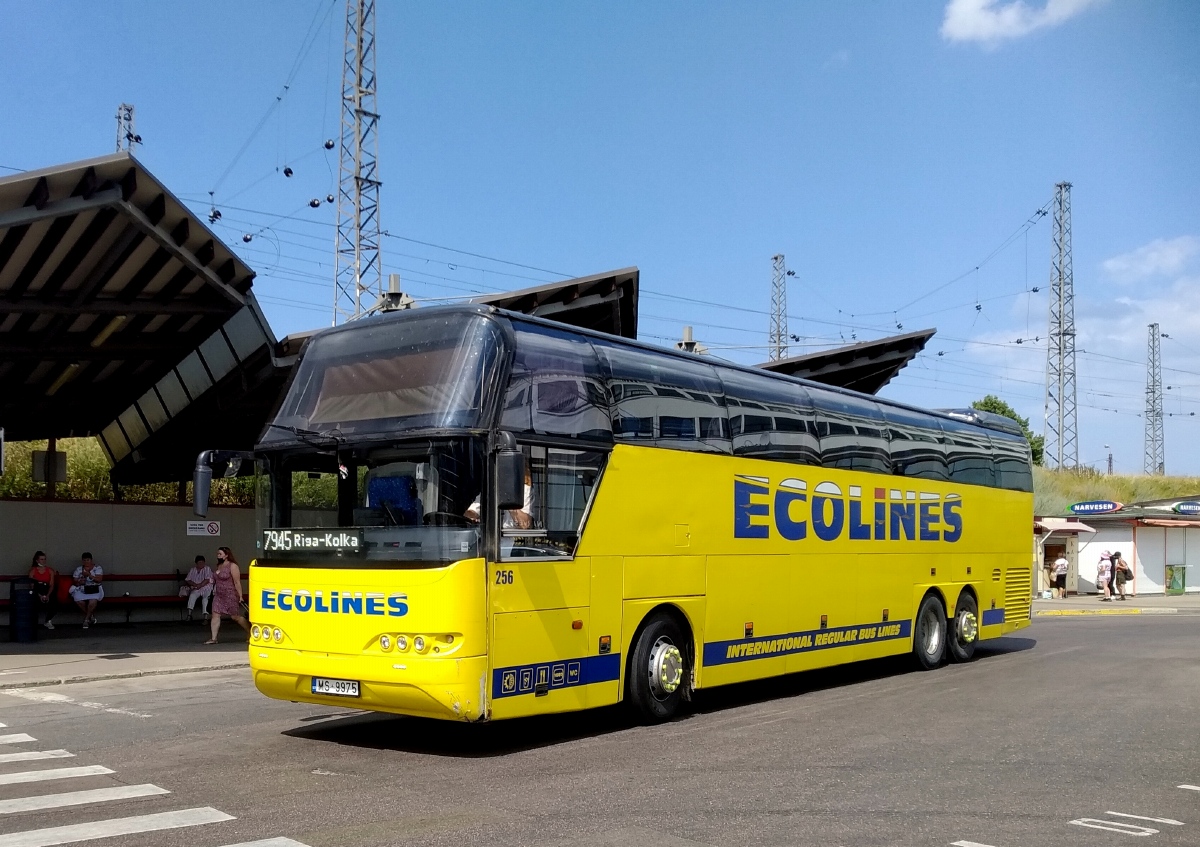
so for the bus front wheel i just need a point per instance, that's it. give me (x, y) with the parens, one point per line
(929, 635)
(658, 669)
(964, 632)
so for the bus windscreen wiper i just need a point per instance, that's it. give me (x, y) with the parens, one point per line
(312, 436)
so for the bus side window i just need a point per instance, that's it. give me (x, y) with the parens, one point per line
(562, 482)
(771, 419)
(968, 453)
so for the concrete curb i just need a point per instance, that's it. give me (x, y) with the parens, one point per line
(1063, 613)
(100, 677)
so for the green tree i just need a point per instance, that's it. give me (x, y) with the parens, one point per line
(992, 403)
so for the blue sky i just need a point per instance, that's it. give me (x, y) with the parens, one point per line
(886, 149)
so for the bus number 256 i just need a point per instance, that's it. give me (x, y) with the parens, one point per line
(504, 577)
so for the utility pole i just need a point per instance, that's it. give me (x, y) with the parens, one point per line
(126, 135)
(1155, 462)
(1109, 449)
(777, 340)
(689, 344)
(358, 275)
(1061, 423)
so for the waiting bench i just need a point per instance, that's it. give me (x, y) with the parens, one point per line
(125, 600)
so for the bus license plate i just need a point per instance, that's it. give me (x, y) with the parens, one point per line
(337, 687)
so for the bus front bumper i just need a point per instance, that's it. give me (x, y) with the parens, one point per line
(445, 688)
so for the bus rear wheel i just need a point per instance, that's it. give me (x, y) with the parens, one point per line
(929, 634)
(658, 669)
(964, 631)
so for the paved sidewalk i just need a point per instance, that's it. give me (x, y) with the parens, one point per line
(1091, 604)
(116, 651)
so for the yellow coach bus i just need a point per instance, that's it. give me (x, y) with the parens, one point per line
(471, 514)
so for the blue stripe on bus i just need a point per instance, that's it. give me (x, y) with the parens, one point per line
(568, 673)
(993, 616)
(764, 647)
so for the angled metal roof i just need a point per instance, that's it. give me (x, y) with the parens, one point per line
(866, 366)
(106, 282)
(606, 302)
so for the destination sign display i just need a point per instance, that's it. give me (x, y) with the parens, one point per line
(338, 541)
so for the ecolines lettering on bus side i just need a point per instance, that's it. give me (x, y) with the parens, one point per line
(338, 603)
(891, 515)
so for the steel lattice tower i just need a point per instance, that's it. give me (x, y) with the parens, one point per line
(1062, 422)
(1155, 462)
(358, 275)
(126, 136)
(777, 340)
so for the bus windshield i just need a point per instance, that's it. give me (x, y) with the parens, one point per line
(372, 506)
(383, 376)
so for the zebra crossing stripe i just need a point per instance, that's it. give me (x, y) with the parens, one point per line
(50, 836)
(52, 773)
(34, 756)
(79, 798)
(269, 842)
(16, 738)
(1189, 787)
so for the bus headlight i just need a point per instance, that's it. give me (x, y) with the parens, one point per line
(419, 643)
(255, 632)
(401, 642)
(385, 643)
(277, 634)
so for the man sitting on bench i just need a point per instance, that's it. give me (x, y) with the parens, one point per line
(87, 591)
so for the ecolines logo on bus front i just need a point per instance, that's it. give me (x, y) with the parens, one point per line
(337, 603)
(831, 513)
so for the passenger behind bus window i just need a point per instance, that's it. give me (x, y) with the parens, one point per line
(513, 518)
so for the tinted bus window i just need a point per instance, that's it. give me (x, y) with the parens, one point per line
(770, 418)
(556, 387)
(663, 400)
(1013, 465)
(968, 453)
(853, 433)
(916, 445)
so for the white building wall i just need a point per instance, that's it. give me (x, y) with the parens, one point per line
(1113, 539)
(123, 538)
(1152, 558)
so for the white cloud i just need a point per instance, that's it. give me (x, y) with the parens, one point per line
(990, 21)
(839, 59)
(1160, 257)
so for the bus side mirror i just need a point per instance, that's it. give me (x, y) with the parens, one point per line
(510, 473)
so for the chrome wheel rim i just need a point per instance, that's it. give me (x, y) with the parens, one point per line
(967, 626)
(931, 632)
(666, 668)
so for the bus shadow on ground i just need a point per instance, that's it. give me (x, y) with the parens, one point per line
(484, 740)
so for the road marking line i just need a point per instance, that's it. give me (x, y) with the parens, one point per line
(52, 697)
(52, 773)
(16, 738)
(79, 798)
(1096, 823)
(117, 826)
(34, 755)
(1144, 818)
(969, 844)
(269, 842)
(1189, 787)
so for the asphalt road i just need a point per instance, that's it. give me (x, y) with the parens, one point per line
(1090, 720)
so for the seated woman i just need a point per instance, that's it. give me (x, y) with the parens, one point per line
(87, 591)
(198, 585)
(46, 578)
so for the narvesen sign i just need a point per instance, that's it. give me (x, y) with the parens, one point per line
(1096, 507)
(1189, 507)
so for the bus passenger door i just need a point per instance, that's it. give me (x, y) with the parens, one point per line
(540, 592)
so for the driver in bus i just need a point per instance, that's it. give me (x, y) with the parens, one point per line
(513, 518)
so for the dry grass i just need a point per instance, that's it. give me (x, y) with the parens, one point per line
(1055, 491)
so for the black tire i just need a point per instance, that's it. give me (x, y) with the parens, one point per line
(658, 699)
(929, 633)
(964, 629)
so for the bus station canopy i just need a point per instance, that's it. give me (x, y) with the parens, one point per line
(606, 302)
(119, 309)
(866, 366)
